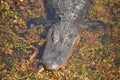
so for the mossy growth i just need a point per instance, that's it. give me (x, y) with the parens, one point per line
(96, 55)
(17, 41)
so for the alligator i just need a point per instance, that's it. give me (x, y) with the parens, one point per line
(62, 35)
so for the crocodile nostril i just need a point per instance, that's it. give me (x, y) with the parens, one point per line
(50, 65)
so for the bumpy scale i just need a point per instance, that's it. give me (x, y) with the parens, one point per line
(62, 35)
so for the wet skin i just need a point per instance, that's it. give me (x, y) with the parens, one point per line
(62, 36)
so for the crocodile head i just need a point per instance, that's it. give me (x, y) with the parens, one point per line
(60, 39)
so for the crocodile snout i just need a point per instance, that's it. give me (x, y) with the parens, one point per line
(51, 65)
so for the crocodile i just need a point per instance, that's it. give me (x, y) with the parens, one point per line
(62, 35)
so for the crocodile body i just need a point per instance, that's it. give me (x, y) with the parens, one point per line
(61, 36)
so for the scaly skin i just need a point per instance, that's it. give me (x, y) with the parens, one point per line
(62, 35)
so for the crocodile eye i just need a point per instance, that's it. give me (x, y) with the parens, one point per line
(77, 7)
(55, 38)
(66, 38)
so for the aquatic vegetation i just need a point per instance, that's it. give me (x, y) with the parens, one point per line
(96, 55)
